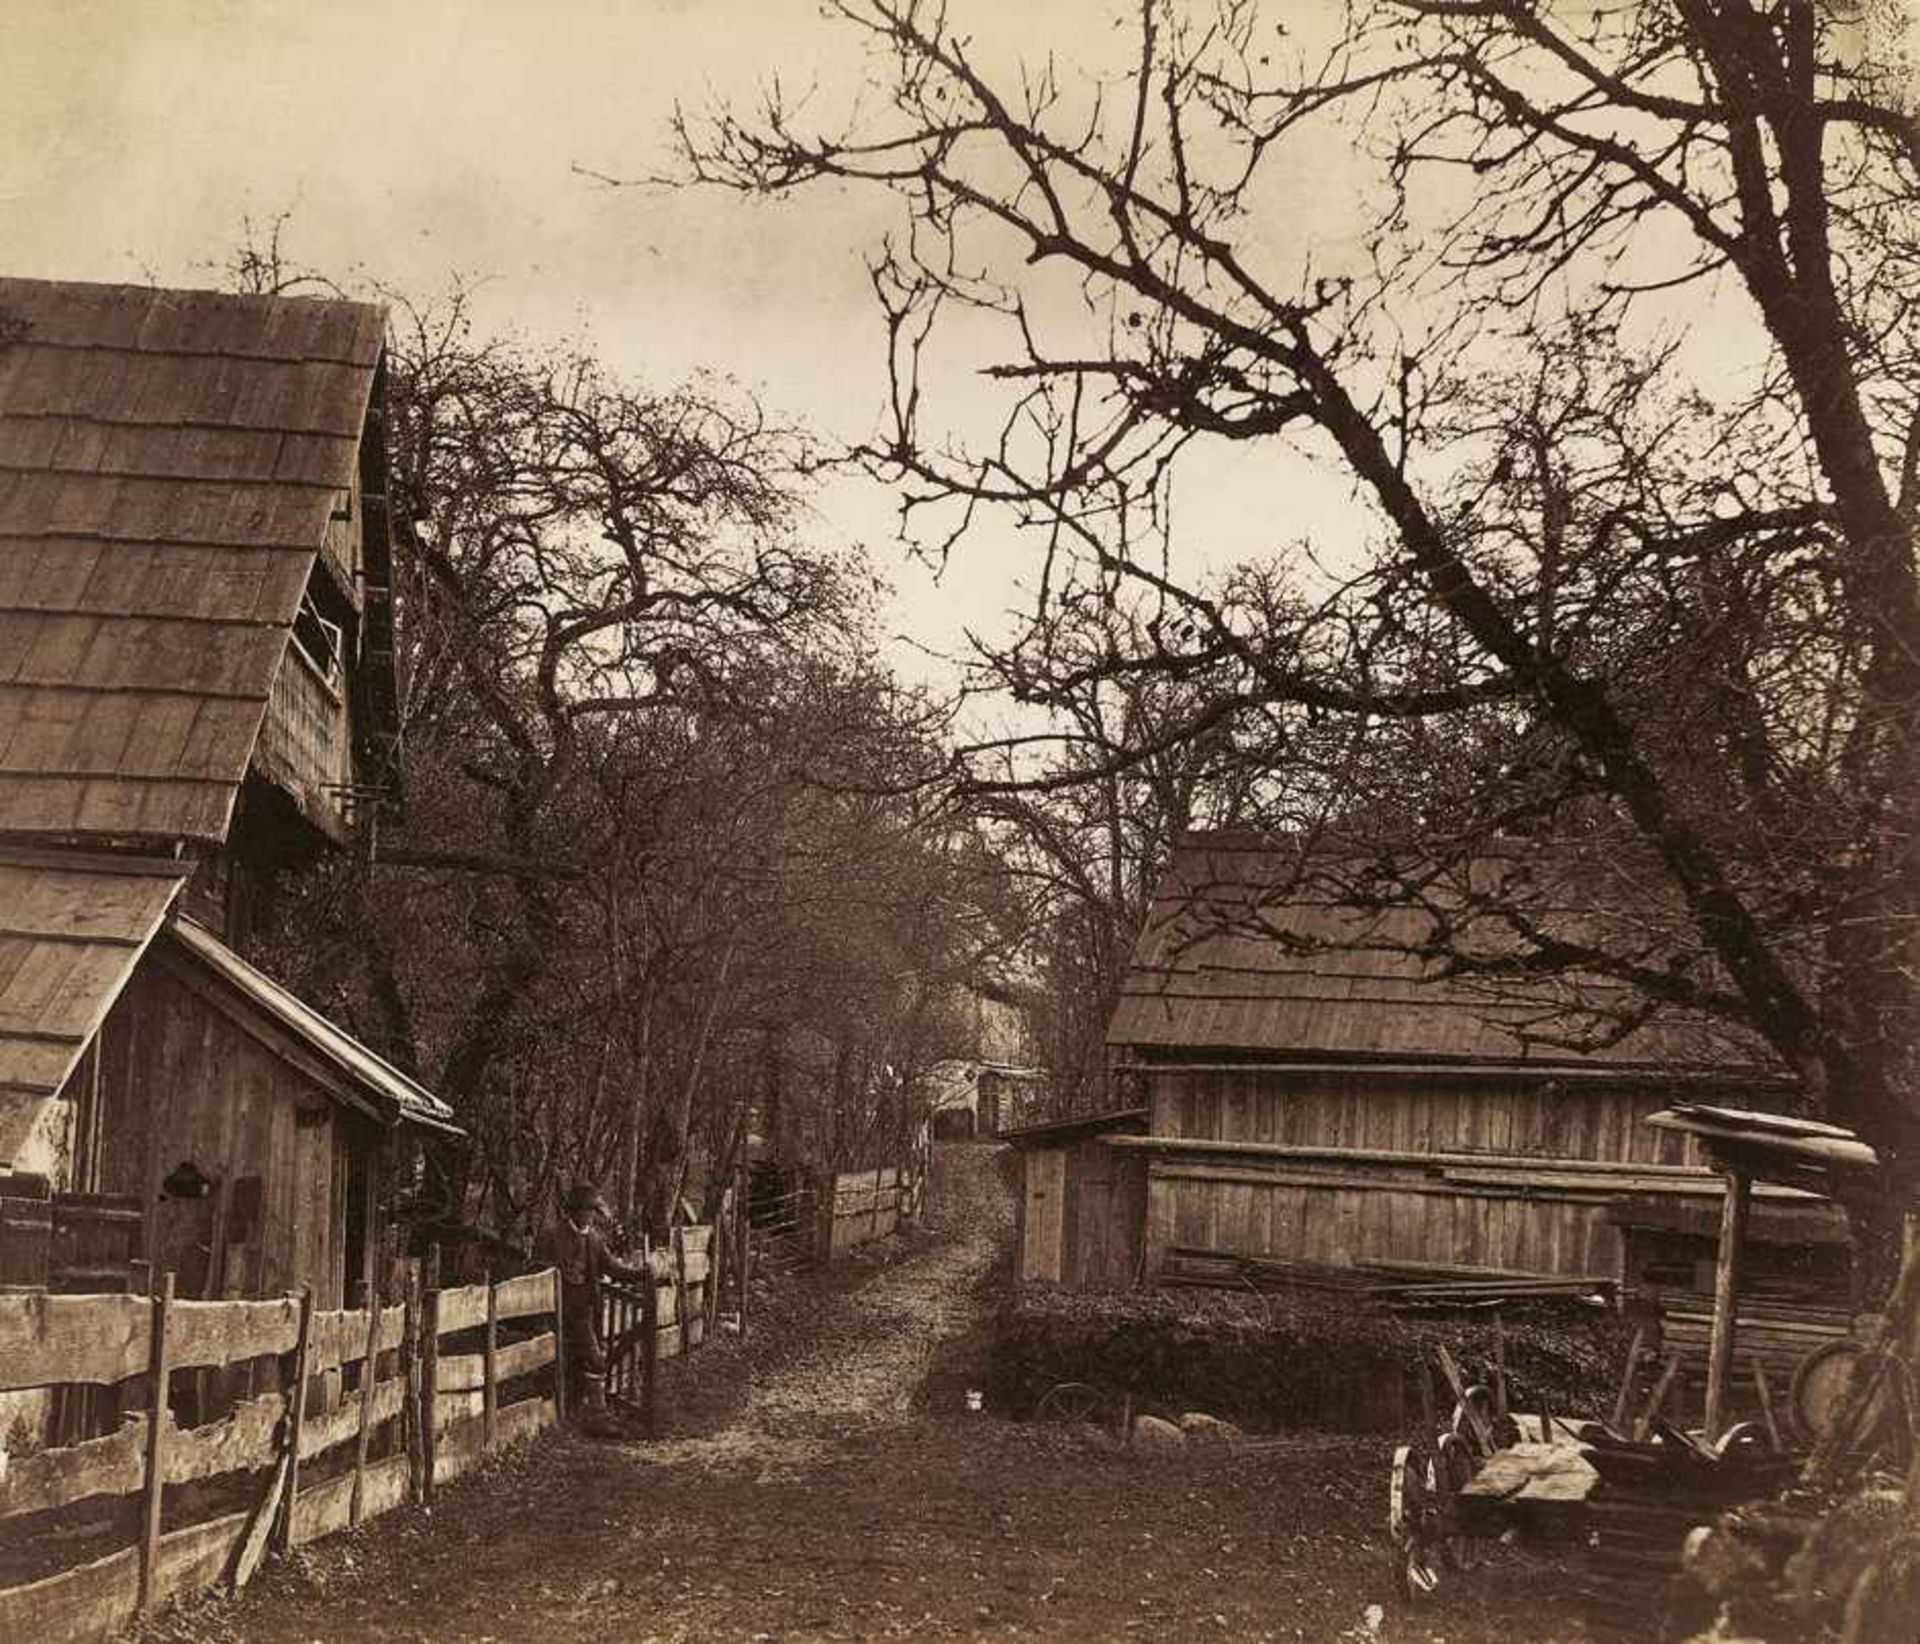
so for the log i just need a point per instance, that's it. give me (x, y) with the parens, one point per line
(245, 1440)
(47, 1340)
(322, 1509)
(324, 1433)
(79, 1606)
(110, 1466)
(339, 1334)
(198, 1557)
(225, 1332)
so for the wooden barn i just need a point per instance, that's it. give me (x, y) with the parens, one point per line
(1314, 1091)
(196, 692)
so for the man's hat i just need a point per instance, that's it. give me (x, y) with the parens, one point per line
(583, 1196)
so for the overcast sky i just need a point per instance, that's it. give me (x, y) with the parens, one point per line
(421, 139)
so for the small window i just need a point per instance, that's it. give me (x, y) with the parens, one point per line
(319, 640)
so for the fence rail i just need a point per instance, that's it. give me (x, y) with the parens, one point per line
(434, 1388)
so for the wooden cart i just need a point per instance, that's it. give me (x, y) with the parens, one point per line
(1622, 1493)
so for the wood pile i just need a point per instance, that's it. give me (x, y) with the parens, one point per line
(1402, 1286)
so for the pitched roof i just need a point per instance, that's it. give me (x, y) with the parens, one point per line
(393, 1096)
(1242, 952)
(72, 926)
(169, 461)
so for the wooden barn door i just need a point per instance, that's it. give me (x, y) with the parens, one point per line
(1043, 1223)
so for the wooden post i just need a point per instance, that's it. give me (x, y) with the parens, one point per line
(410, 1419)
(559, 1352)
(682, 1313)
(1623, 1400)
(159, 1419)
(743, 1254)
(649, 1354)
(490, 1381)
(1726, 1298)
(296, 1418)
(429, 1385)
(369, 1370)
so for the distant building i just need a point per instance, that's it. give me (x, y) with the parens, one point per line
(997, 1083)
(1301, 1084)
(196, 692)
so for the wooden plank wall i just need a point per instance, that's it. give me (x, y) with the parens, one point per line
(1353, 1215)
(301, 1472)
(181, 1080)
(1574, 1119)
(1327, 1210)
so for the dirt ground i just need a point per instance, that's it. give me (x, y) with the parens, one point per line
(825, 1481)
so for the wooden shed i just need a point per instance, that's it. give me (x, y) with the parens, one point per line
(1318, 1089)
(196, 693)
(1082, 1203)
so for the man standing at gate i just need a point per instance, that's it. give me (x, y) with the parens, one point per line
(585, 1262)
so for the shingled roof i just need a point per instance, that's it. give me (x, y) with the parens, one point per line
(1243, 954)
(169, 461)
(72, 926)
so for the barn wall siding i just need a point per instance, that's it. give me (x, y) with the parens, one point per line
(1395, 1211)
(1347, 1219)
(1409, 1113)
(181, 1081)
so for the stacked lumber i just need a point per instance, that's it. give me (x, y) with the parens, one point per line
(1403, 1286)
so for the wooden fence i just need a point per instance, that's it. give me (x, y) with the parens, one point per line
(437, 1380)
(866, 1206)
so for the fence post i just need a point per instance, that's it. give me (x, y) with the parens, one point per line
(649, 1354)
(490, 1382)
(559, 1353)
(159, 1418)
(296, 1418)
(743, 1234)
(429, 1387)
(410, 1416)
(369, 1368)
(682, 1312)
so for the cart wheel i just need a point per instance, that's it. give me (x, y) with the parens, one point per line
(1410, 1524)
(1068, 1401)
(1453, 1469)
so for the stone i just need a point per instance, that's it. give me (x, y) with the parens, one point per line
(1151, 1433)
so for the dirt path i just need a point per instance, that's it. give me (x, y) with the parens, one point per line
(843, 1493)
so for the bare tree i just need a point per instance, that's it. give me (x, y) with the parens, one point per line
(1680, 608)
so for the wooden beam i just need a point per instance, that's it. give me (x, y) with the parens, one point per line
(158, 1424)
(425, 1418)
(283, 1537)
(1726, 1293)
(490, 1356)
